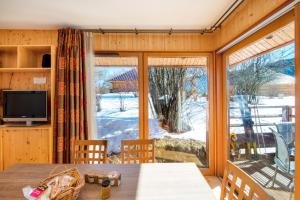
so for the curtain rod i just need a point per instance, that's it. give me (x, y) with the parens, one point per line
(216, 25)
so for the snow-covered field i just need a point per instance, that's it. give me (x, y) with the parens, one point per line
(115, 126)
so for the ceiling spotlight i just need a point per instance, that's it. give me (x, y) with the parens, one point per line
(269, 37)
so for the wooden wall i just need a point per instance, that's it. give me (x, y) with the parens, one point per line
(153, 42)
(245, 16)
(28, 37)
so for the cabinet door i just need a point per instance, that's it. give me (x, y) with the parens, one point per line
(25, 146)
(1, 151)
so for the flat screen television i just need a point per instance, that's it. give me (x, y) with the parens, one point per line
(25, 106)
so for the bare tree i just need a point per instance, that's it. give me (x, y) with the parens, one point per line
(248, 77)
(170, 88)
(102, 87)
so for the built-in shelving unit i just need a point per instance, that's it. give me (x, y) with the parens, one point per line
(23, 57)
(20, 67)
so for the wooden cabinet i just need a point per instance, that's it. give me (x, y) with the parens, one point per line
(25, 145)
(20, 65)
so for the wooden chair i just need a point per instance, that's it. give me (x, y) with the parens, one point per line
(90, 152)
(137, 151)
(237, 185)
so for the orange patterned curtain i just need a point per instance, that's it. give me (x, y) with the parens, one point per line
(70, 94)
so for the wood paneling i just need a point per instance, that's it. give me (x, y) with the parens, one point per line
(153, 42)
(22, 145)
(221, 133)
(28, 37)
(272, 27)
(246, 15)
(297, 110)
(23, 81)
(167, 61)
(274, 40)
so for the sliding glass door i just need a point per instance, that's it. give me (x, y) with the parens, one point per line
(178, 107)
(166, 98)
(116, 84)
(261, 110)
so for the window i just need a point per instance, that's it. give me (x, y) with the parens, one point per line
(167, 99)
(261, 110)
(117, 102)
(178, 108)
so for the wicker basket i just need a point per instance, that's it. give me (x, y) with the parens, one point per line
(70, 193)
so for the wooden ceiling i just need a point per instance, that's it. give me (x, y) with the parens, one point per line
(272, 41)
(116, 61)
(153, 61)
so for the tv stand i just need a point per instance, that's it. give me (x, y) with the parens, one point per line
(25, 144)
(28, 123)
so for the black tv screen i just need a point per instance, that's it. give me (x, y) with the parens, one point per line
(25, 104)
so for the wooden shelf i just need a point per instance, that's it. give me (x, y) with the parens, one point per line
(25, 69)
(31, 56)
(8, 56)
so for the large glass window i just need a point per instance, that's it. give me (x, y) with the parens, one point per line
(261, 110)
(178, 107)
(117, 102)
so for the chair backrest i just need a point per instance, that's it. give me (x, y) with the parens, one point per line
(90, 152)
(137, 151)
(237, 185)
(282, 158)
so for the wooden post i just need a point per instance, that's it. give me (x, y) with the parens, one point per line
(286, 113)
(297, 102)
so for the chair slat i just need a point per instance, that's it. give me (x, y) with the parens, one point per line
(90, 152)
(137, 151)
(232, 191)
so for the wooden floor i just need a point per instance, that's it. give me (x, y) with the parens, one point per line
(215, 184)
(263, 173)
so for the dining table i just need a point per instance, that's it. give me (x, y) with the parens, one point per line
(147, 181)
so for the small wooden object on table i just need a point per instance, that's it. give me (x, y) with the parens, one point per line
(97, 177)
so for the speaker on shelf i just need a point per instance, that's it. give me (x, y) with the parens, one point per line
(46, 62)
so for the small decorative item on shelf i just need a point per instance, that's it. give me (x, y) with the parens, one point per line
(105, 189)
(46, 61)
(97, 177)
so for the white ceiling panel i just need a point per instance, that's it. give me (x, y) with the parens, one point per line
(122, 14)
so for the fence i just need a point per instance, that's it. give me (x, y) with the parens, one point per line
(286, 115)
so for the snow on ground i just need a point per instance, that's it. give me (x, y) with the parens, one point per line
(115, 126)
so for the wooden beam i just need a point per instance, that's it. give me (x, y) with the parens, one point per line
(245, 17)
